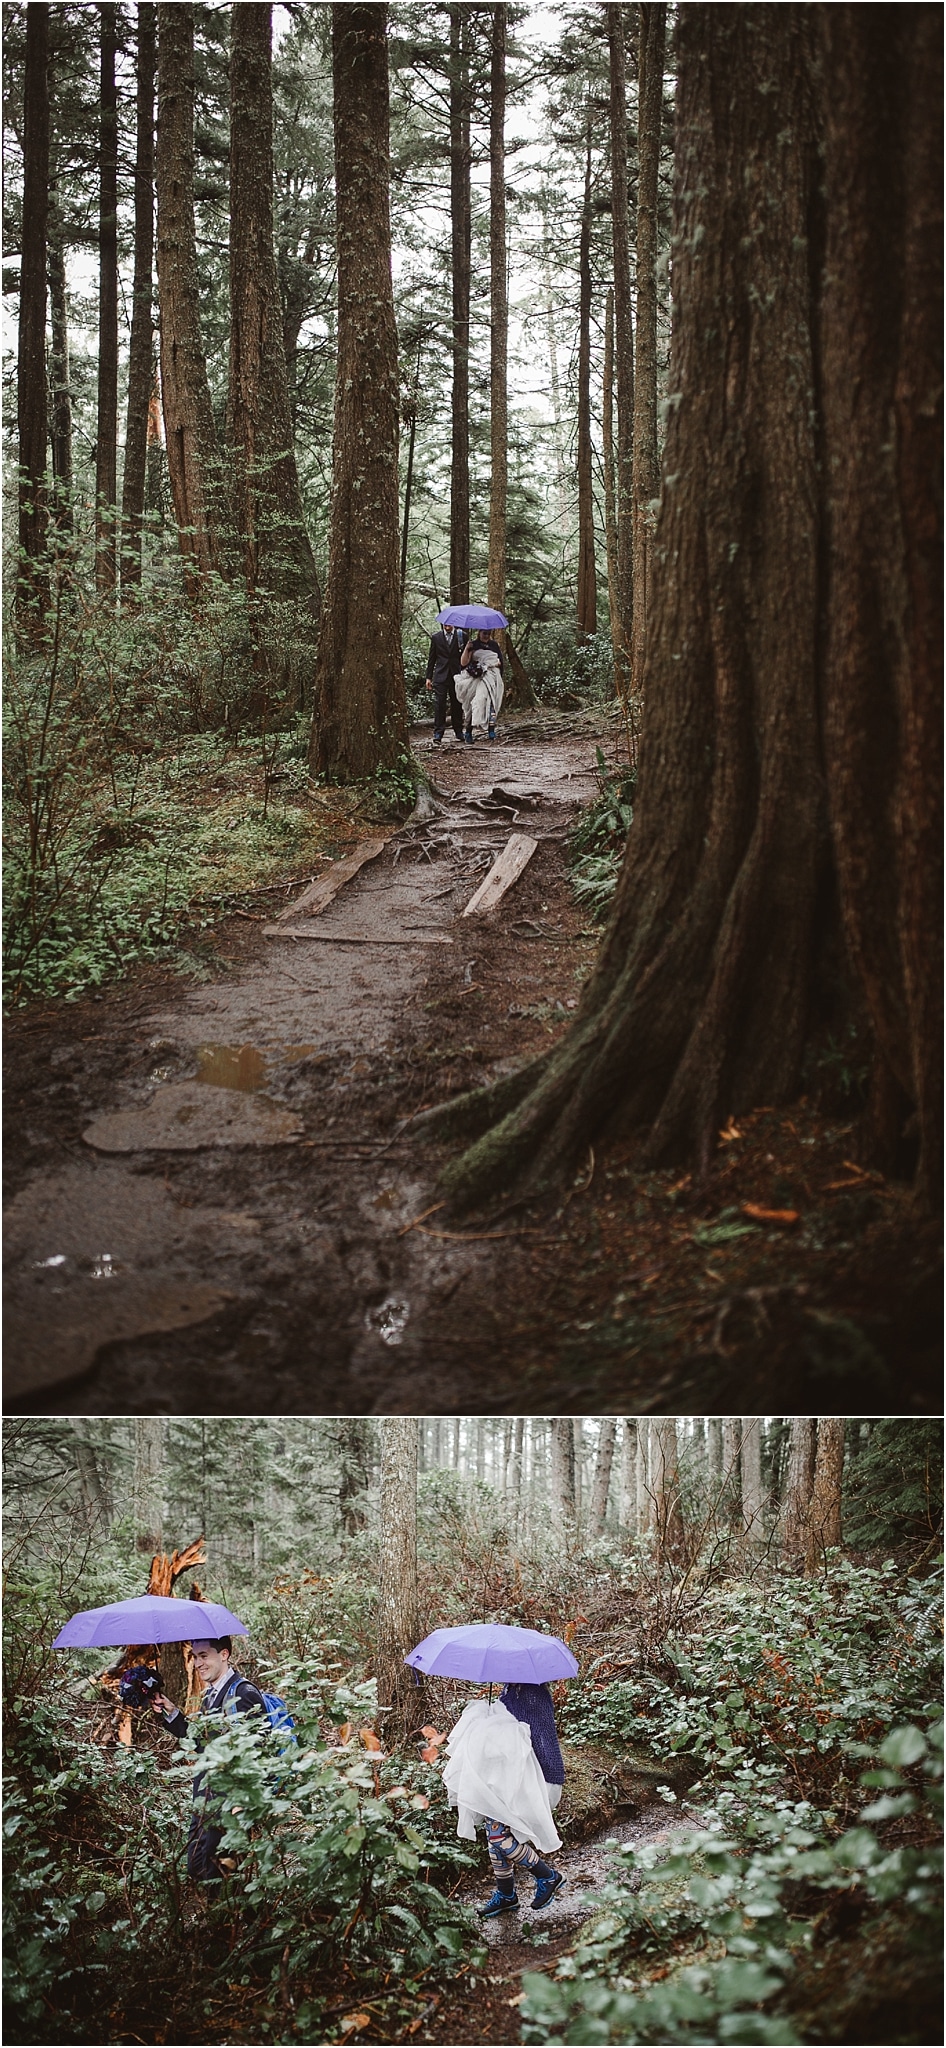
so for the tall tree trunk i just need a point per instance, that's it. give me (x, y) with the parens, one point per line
(646, 470)
(714, 1452)
(91, 1484)
(798, 1484)
(461, 221)
(60, 391)
(753, 1496)
(400, 1700)
(106, 429)
(731, 1436)
(645, 1495)
(562, 1476)
(189, 431)
(409, 479)
(33, 582)
(824, 1513)
(587, 578)
(353, 1446)
(360, 721)
(149, 1483)
(602, 1478)
(668, 1514)
(882, 338)
(628, 1443)
(269, 523)
(141, 343)
(554, 381)
(498, 311)
(514, 1476)
(624, 349)
(618, 647)
(698, 1002)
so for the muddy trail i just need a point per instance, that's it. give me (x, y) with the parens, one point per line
(215, 1202)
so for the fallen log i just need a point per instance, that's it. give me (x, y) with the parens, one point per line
(323, 891)
(515, 856)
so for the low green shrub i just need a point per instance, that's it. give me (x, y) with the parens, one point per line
(596, 847)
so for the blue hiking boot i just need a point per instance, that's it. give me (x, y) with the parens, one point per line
(546, 1888)
(501, 1902)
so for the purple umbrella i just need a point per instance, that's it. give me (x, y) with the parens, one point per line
(472, 616)
(491, 1651)
(152, 1618)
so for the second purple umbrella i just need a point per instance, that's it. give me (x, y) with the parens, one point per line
(151, 1618)
(495, 1653)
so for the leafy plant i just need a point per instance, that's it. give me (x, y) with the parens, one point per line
(596, 846)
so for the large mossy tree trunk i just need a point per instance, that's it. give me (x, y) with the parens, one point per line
(270, 530)
(622, 595)
(360, 719)
(698, 1001)
(401, 1701)
(106, 426)
(189, 427)
(792, 756)
(652, 38)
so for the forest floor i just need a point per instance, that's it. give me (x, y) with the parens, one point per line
(215, 1204)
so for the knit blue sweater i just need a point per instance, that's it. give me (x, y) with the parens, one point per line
(533, 1705)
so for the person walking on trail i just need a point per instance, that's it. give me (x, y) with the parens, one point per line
(445, 652)
(481, 690)
(504, 1770)
(226, 1693)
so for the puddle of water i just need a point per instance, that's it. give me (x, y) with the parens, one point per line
(389, 1320)
(231, 1066)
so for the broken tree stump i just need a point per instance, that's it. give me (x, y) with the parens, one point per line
(506, 870)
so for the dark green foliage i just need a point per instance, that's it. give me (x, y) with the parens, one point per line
(596, 846)
(893, 1485)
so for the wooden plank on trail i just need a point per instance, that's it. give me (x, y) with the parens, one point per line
(321, 893)
(291, 931)
(515, 856)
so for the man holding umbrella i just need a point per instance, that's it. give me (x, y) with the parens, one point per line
(504, 1766)
(225, 1693)
(443, 661)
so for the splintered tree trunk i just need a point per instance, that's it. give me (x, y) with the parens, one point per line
(461, 222)
(106, 432)
(498, 425)
(587, 582)
(360, 719)
(141, 343)
(824, 1513)
(602, 1478)
(698, 1001)
(798, 1484)
(624, 351)
(882, 341)
(267, 507)
(189, 430)
(646, 467)
(33, 584)
(400, 1701)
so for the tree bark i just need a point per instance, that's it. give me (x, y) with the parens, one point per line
(587, 577)
(646, 469)
(360, 722)
(624, 349)
(645, 1495)
(618, 645)
(499, 318)
(60, 392)
(268, 518)
(141, 343)
(400, 1700)
(824, 1512)
(882, 337)
(798, 1484)
(698, 1001)
(106, 431)
(602, 1478)
(189, 430)
(562, 1476)
(33, 582)
(753, 1497)
(91, 1484)
(353, 1445)
(461, 240)
(149, 1483)
(731, 1480)
(628, 1442)
(668, 1514)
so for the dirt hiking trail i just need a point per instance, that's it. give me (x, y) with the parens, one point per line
(215, 1203)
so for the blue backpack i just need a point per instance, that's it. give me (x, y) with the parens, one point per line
(277, 1710)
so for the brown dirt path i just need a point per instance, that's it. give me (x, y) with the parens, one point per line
(247, 1248)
